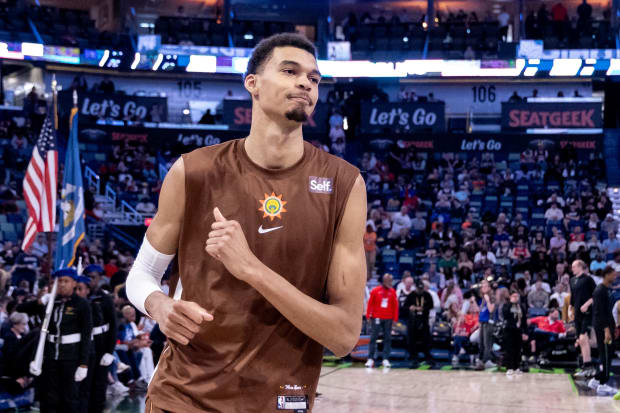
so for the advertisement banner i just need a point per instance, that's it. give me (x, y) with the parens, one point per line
(403, 117)
(501, 143)
(177, 140)
(116, 106)
(539, 115)
(238, 115)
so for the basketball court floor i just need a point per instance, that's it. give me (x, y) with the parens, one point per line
(358, 390)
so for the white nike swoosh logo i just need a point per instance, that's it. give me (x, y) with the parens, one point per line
(262, 230)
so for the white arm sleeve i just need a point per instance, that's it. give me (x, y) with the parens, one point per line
(145, 275)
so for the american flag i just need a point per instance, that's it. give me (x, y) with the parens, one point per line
(40, 185)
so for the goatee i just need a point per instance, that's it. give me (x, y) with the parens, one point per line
(298, 114)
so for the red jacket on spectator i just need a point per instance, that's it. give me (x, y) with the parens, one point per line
(382, 304)
(543, 323)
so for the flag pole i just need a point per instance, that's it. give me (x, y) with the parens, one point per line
(50, 242)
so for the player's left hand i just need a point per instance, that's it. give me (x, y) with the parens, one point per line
(227, 244)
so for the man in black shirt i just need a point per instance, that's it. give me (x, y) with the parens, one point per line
(603, 322)
(419, 304)
(581, 289)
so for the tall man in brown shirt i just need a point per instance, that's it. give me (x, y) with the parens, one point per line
(267, 235)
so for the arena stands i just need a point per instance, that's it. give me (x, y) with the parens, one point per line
(465, 200)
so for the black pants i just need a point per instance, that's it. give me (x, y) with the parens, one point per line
(419, 339)
(59, 390)
(513, 342)
(605, 354)
(94, 386)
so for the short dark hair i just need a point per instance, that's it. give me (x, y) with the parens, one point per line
(263, 50)
(608, 270)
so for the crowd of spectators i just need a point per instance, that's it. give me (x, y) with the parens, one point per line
(559, 27)
(429, 223)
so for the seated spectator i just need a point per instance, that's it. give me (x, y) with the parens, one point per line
(13, 337)
(451, 294)
(26, 269)
(400, 220)
(594, 244)
(520, 252)
(538, 241)
(404, 241)
(503, 250)
(39, 246)
(598, 264)
(611, 244)
(463, 325)
(484, 258)
(432, 251)
(556, 199)
(447, 260)
(436, 279)
(554, 215)
(615, 263)
(546, 330)
(561, 290)
(576, 239)
(133, 348)
(145, 206)
(464, 261)
(609, 224)
(557, 241)
(538, 299)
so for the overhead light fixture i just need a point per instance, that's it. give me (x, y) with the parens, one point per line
(104, 58)
(136, 60)
(202, 64)
(248, 36)
(160, 58)
(32, 49)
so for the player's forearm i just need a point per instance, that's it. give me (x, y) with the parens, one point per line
(328, 324)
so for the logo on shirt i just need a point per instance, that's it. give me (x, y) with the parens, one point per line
(272, 206)
(262, 230)
(321, 185)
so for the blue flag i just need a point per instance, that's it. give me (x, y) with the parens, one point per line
(71, 226)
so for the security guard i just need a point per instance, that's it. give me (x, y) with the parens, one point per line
(65, 362)
(93, 388)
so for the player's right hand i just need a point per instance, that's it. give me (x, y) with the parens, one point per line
(180, 320)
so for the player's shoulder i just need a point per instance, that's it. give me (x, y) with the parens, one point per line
(209, 151)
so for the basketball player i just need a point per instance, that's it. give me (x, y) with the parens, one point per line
(270, 267)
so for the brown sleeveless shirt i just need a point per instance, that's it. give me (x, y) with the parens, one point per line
(250, 358)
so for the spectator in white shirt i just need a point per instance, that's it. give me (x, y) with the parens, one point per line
(554, 214)
(400, 220)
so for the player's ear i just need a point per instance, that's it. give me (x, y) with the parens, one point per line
(250, 83)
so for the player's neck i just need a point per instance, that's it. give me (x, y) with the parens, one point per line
(274, 146)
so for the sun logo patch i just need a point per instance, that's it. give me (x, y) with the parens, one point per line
(272, 206)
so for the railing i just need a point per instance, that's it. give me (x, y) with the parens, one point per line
(92, 179)
(130, 214)
(110, 194)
